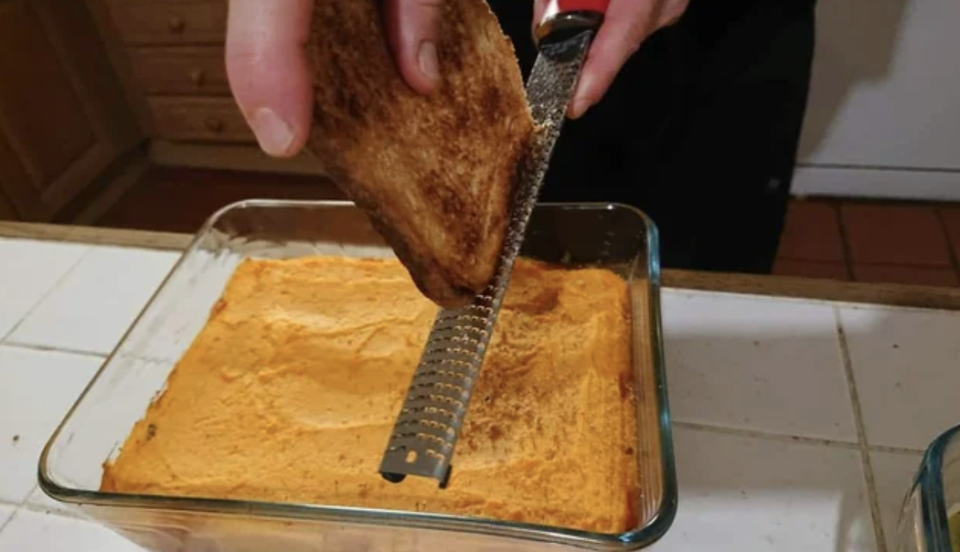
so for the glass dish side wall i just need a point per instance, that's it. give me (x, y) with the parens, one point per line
(618, 238)
(950, 474)
(934, 498)
(182, 531)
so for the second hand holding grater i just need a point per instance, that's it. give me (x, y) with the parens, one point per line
(426, 431)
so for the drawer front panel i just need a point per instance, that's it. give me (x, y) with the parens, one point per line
(200, 119)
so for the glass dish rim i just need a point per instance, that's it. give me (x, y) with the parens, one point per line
(633, 539)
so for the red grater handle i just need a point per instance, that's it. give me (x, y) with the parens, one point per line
(562, 18)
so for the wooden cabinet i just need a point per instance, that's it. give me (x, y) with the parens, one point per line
(86, 86)
(186, 71)
(172, 53)
(200, 119)
(174, 50)
(7, 212)
(169, 22)
(63, 116)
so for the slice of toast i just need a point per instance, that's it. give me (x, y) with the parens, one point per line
(434, 173)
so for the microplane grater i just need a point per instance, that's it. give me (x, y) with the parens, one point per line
(428, 426)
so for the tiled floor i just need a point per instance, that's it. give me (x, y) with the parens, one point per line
(842, 240)
(181, 200)
(768, 435)
(872, 242)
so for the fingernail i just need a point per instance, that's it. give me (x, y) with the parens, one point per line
(579, 107)
(273, 133)
(429, 65)
(581, 97)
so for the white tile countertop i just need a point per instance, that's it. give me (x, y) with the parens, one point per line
(797, 423)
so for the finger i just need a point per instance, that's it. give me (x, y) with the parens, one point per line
(539, 8)
(412, 27)
(269, 72)
(627, 24)
(672, 12)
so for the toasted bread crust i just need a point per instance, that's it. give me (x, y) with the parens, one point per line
(434, 173)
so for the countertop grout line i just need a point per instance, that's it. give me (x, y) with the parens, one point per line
(17, 507)
(52, 349)
(65, 511)
(874, 499)
(872, 496)
(793, 438)
(46, 295)
(892, 295)
(768, 436)
(825, 302)
(895, 450)
(9, 520)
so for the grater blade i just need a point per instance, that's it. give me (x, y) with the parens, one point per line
(429, 423)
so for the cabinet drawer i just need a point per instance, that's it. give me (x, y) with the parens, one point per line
(185, 71)
(166, 22)
(200, 120)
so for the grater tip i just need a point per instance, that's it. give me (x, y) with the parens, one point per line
(393, 477)
(446, 478)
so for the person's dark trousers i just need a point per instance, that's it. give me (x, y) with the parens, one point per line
(700, 130)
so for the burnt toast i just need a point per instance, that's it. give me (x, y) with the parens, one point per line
(435, 173)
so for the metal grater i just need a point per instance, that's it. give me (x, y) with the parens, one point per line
(426, 431)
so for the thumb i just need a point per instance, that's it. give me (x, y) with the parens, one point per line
(268, 70)
(412, 33)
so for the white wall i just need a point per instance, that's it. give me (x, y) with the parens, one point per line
(884, 112)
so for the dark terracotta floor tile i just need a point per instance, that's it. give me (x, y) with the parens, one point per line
(811, 233)
(181, 200)
(809, 269)
(895, 235)
(886, 274)
(951, 221)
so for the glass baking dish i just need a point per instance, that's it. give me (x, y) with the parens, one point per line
(616, 237)
(930, 517)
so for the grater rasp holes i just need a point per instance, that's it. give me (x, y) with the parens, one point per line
(439, 392)
(459, 338)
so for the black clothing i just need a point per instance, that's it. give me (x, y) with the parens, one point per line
(700, 130)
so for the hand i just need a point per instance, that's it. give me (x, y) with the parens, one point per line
(269, 71)
(627, 24)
